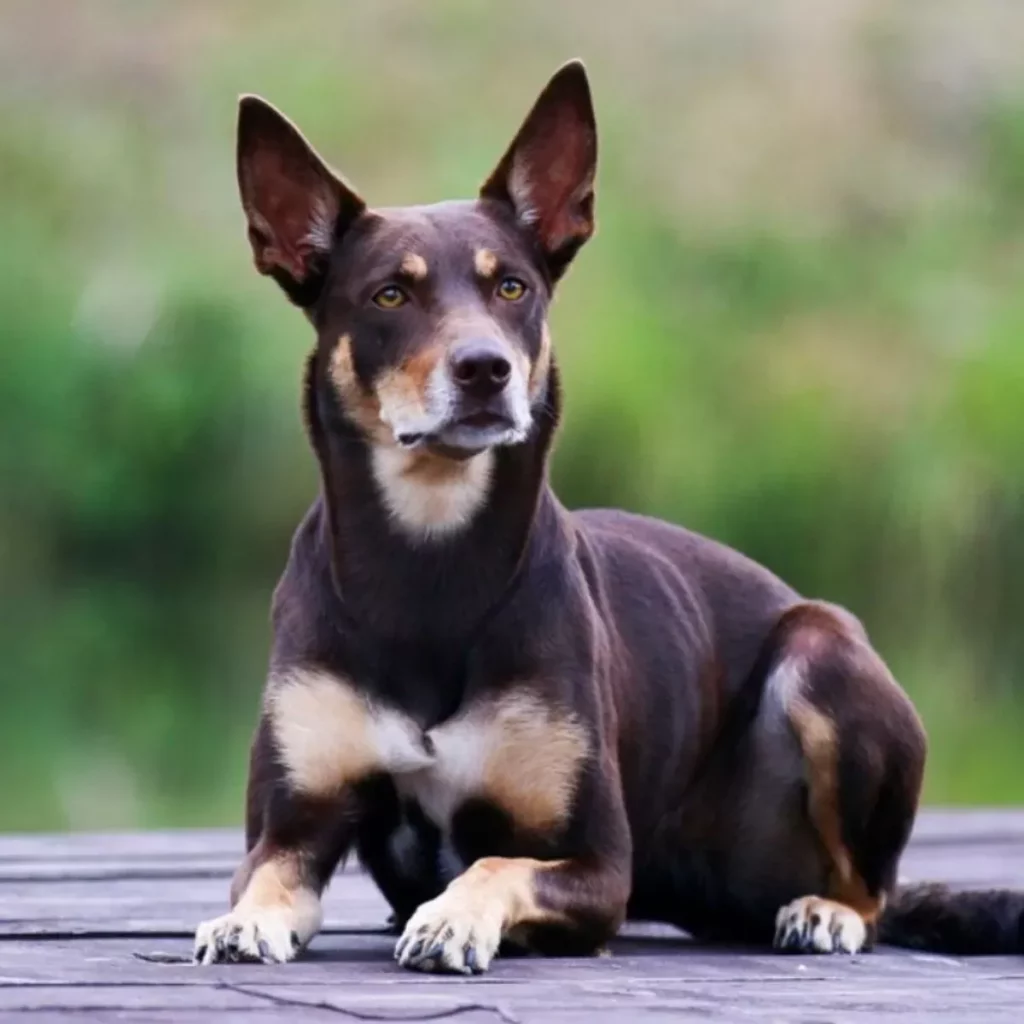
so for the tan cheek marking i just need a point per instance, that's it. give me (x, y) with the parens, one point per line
(420, 367)
(541, 367)
(534, 762)
(485, 262)
(362, 408)
(414, 265)
(397, 394)
(322, 731)
(403, 392)
(343, 373)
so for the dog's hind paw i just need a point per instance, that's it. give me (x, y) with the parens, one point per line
(815, 925)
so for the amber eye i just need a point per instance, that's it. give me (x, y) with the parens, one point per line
(511, 288)
(390, 297)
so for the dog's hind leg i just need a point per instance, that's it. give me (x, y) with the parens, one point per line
(862, 749)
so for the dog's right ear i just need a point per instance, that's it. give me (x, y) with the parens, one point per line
(295, 204)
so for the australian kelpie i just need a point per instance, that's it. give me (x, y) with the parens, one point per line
(530, 723)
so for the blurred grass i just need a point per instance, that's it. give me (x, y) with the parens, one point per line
(799, 330)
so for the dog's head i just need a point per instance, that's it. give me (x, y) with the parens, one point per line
(431, 320)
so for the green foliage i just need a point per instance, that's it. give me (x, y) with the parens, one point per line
(837, 389)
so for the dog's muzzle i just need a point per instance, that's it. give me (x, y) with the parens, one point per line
(484, 398)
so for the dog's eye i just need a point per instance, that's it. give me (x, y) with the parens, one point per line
(511, 289)
(390, 297)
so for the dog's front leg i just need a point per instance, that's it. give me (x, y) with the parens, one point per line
(461, 929)
(276, 913)
(581, 898)
(295, 842)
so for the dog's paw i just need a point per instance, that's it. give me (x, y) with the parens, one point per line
(451, 934)
(257, 936)
(815, 925)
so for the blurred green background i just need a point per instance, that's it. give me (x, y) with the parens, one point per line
(800, 330)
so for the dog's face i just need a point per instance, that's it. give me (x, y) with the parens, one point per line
(436, 317)
(431, 320)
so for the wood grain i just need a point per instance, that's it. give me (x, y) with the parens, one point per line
(76, 911)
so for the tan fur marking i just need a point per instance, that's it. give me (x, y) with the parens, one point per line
(509, 883)
(322, 731)
(485, 904)
(486, 262)
(817, 738)
(402, 392)
(542, 365)
(419, 368)
(398, 394)
(274, 911)
(534, 763)
(414, 265)
(343, 373)
(519, 753)
(362, 408)
(272, 883)
(328, 736)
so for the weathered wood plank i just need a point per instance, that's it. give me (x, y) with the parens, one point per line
(960, 826)
(956, 826)
(170, 906)
(697, 984)
(42, 998)
(366, 960)
(166, 903)
(74, 911)
(107, 846)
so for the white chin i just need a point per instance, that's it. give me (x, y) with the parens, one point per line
(465, 441)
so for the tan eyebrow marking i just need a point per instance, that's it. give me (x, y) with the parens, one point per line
(414, 266)
(486, 262)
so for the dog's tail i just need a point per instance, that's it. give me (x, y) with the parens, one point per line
(943, 920)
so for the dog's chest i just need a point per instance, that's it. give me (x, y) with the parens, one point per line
(516, 750)
(517, 754)
(441, 768)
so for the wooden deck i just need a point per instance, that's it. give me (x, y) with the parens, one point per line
(79, 915)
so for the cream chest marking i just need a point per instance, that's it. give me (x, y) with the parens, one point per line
(517, 750)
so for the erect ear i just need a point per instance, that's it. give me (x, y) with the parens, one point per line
(547, 174)
(295, 204)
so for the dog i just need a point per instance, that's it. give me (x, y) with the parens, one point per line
(533, 724)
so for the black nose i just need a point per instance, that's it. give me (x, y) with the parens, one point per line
(480, 368)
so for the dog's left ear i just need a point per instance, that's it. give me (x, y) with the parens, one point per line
(547, 174)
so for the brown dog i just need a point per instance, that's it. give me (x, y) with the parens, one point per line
(532, 724)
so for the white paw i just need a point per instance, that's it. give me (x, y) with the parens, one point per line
(256, 936)
(451, 934)
(815, 925)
